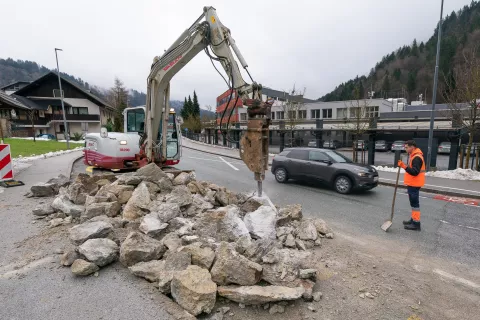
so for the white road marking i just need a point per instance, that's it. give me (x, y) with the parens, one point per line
(431, 185)
(459, 225)
(406, 194)
(231, 165)
(26, 268)
(456, 279)
(205, 159)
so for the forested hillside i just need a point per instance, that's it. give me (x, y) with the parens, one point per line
(408, 71)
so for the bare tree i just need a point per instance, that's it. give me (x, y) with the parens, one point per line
(117, 97)
(293, 110)
(31, 115)
(357, 119)
(463, 94)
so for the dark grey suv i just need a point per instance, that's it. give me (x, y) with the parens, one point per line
(325, 165)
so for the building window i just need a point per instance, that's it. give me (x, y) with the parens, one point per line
(372, 112)
(327, 113)
(79, 110)
(56, 93)
(292, 115)
(280, 115)
(243, 117)
(357, 113)
(315, 114)
(273, 116)
(302, 114)
(85, 126)
(342, 113)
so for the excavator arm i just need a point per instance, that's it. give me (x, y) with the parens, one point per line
(204, 34)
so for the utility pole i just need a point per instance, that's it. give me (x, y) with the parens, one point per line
(65, 133)
(434, 95)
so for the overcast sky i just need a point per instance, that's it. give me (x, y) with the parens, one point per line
(313, 44)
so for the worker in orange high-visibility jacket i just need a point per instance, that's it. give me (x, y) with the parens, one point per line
(414, 179)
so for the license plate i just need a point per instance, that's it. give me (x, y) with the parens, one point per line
(375, 179)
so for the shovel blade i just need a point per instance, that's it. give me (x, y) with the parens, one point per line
(386, 225)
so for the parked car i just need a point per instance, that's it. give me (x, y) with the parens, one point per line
(398, 145)
(361, 145)
(382, 145)
(312, 143)
(46, 136)
(324, 165)
(444, 148)
(332, 144)
(475, 147)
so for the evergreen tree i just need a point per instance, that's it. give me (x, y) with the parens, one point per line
(386, 84)
(184, 111)
(189, 106)
(414, 51)
(196, 106)
(411, 82)
(397, 73)
(421, 47)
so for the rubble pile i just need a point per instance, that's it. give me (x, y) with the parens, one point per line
(193, 239)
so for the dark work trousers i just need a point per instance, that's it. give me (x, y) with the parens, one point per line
(413, 196)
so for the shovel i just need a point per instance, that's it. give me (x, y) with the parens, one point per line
(387, 224)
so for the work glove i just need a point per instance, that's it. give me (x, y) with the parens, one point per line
(401, 164)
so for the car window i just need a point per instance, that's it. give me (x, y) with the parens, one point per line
(381, 141)
(298, 154)
(337, 157)
(284, 153)
(399, 142)
(318, 156)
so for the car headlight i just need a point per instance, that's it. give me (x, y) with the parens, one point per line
(362, 174)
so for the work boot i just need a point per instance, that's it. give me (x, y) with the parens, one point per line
(415, 225)
(405, 222)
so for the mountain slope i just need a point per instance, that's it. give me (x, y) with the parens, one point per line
(408, 71)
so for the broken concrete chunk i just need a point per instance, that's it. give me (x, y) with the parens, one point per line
(62, 203)
(194, 290)
(151, 171)
(152, 226)
(260, 295)
(232, 268)
(90, 230)
(321, 226)
(149, 270)
(183, 178)
(201, 256)
(276, 308)
(180, 195)
(83, 268)
(289, 213)
(43, 209)
(165, 211)
(137, 206)
(307, 231)
(307, 273)
(290, 241)
(172, 241)
(138, 247)
(99, 251)
(43, 190)
(202, 204)
(110, 209)
(250, 205)
(225, 197)
(222, 224)
(261, 223)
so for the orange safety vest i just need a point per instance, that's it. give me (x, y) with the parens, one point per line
(419, 180)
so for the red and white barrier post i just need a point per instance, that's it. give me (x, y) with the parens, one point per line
(6, 167)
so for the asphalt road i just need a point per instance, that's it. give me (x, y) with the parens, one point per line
(450, 231)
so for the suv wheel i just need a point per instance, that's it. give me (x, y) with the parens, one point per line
(281, 175)
(343, 184)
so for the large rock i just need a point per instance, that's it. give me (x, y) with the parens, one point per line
(258, 249)
(180, 195)
(183, 178)
(261, 223)
(196, 187)
(59, 182)
(149, 270)
(110, 209)
(174, 262)
(165, 211)
(165, 185)
(107, 197)
(285, 270)
(250, 205)
(152, 226)
(200, 202)
(43, 190)
(152, 172)
(289, 213)
(122, 192)
(90, 230)
(63, 204)
(172, 241)
(138, 204)
(129, 179)
(321, 226)
(260, 295)
(138, 247)
(231, 267)
(225, 197)
(77, 193)
(194, 290)
(307, 231)
(181, 226)
(83, 268)
(222, 224)
(201, 256)
(43, 209)
(99, 251)
(69, 257)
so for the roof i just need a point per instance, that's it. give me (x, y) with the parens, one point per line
(11, 100)
(282, 94)
(13, 83)
(94, 97)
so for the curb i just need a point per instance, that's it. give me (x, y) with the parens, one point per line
(218, 154)
(72, 162)
(434, 191)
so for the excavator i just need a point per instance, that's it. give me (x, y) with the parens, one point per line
(159, 139)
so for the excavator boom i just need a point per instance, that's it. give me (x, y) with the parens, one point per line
(206, 32)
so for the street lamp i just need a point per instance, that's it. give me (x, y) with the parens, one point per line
(65, 133)
(434, 96)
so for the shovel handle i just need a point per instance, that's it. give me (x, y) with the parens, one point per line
(395, 194)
